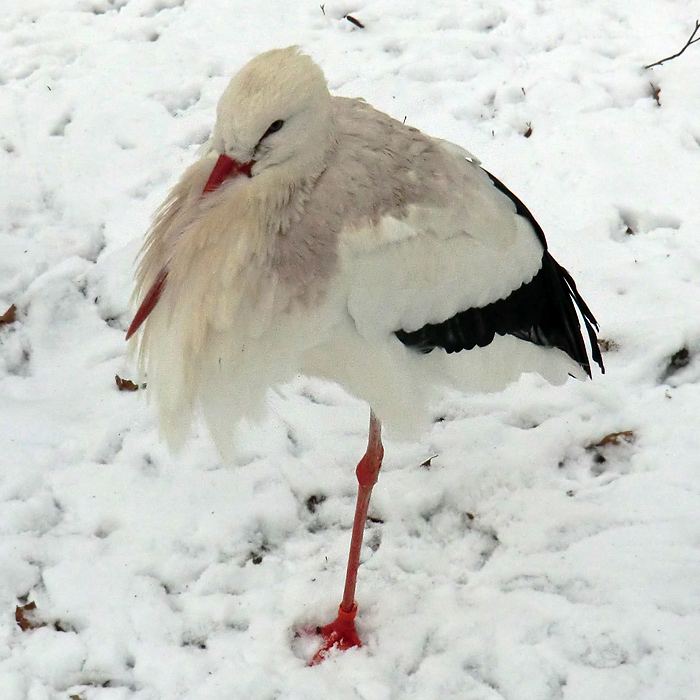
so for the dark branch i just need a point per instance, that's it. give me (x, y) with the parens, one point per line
(690, 41)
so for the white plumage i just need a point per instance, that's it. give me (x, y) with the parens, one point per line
(317, 235)
(352, 227)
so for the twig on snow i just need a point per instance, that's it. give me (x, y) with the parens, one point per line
(693, 39)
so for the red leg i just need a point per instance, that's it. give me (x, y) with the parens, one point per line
(341, 632)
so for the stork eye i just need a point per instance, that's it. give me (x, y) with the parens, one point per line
(275, 126)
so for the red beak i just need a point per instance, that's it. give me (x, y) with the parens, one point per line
(224, 169)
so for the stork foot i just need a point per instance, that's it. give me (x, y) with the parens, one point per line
(339, 634)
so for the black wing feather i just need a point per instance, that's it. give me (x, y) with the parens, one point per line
(542, 311)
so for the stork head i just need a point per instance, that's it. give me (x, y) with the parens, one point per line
(274, 119)
(276, 113)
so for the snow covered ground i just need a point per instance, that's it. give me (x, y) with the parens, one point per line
(531, 558)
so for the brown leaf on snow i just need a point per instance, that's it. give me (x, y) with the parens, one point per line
(10, 316)
(26, 617)
(607, 345)
(626, 436)
(353, 20)
(126, 384)
(655, 93)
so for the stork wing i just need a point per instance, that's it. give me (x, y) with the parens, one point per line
(455, 276)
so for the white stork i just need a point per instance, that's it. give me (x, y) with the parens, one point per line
(319, 236)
